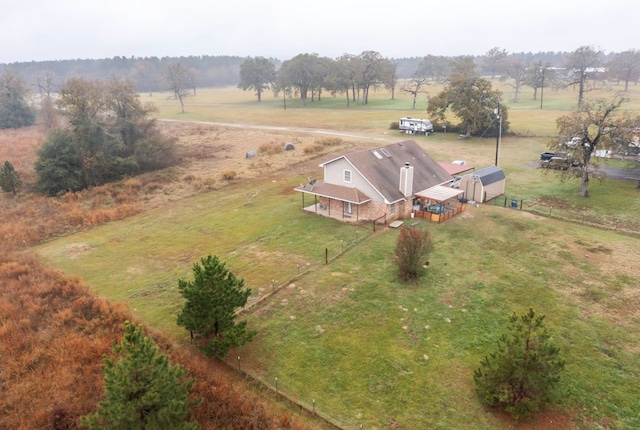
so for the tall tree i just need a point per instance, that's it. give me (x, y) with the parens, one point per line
(209, 311)
(111, 135)
(470, 98)
(389, 77)
(626, 66)
(102, 159)
(583, 70)
(257, 74)
(493, 59)
(298, 73)
(595, 125)
(15, 112)
(143, 390)
(537, 74)
(176, 76)
(372, 67)
(436, 68)
(415, 86)
(515, 69)
(520, 375)
(340, 77)
(9, 179)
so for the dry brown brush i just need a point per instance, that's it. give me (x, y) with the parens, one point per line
(53, 335)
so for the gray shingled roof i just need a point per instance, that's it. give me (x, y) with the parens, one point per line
(489, 175)
(384, 173)
(346, 194)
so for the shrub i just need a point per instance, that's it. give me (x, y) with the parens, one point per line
(270, 148)
(329, 141)
(312, 149)
(395, 125)
(520, 375)
(412, 248)
(133, 183)
(229, 175)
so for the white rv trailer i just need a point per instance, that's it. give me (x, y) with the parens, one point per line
(410, 125)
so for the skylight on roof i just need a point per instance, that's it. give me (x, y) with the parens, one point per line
(377, 154)
(385, 152)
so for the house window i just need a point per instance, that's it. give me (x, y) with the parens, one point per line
(347, 208)
(392, 209)
(347, 176)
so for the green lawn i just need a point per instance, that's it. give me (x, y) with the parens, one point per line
(351, 337)
(348, 336)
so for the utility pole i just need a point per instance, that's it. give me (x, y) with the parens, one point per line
(542, 87)
(499, 135)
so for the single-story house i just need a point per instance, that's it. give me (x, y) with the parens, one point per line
(374, 184)
(484, 184)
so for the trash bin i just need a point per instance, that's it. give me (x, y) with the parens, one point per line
(514, 204)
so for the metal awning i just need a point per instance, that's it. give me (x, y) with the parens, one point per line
(439, 193)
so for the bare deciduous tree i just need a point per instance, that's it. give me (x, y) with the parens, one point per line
(177, 78)
(583, 68)
(626, 66)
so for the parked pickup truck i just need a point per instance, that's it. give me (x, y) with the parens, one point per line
(546, 156)
(559, 161)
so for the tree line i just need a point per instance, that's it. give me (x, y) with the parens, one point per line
(147, 73)
(111, 136)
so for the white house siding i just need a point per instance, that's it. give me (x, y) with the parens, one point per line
(492, 191)
(478, 192)
(334, 174)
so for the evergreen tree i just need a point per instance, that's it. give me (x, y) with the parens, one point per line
(15, 112)
(211, 302)
(59, 164)
(143, 391)
(9, 178)
(520, 375)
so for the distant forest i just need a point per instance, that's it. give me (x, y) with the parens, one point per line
(147, 73)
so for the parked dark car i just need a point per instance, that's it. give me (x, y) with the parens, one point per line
(546, 156)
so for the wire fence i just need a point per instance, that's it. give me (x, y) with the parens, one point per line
(564, 212)
(278, 384)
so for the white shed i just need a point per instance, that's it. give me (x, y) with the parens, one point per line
(484, 184)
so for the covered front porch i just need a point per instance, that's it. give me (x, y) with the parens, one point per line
(334, 201)
(439, 203)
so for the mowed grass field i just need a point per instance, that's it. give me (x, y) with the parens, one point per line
(348, 339)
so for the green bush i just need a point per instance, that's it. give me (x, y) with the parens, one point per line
(412, 248)
(520, 375)
(9, 178)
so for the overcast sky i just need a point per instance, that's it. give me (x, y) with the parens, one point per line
(36, 30)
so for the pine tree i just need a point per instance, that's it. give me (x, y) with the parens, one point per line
(211, 302)
(143, 391)
(520, 375)
(9, 178)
